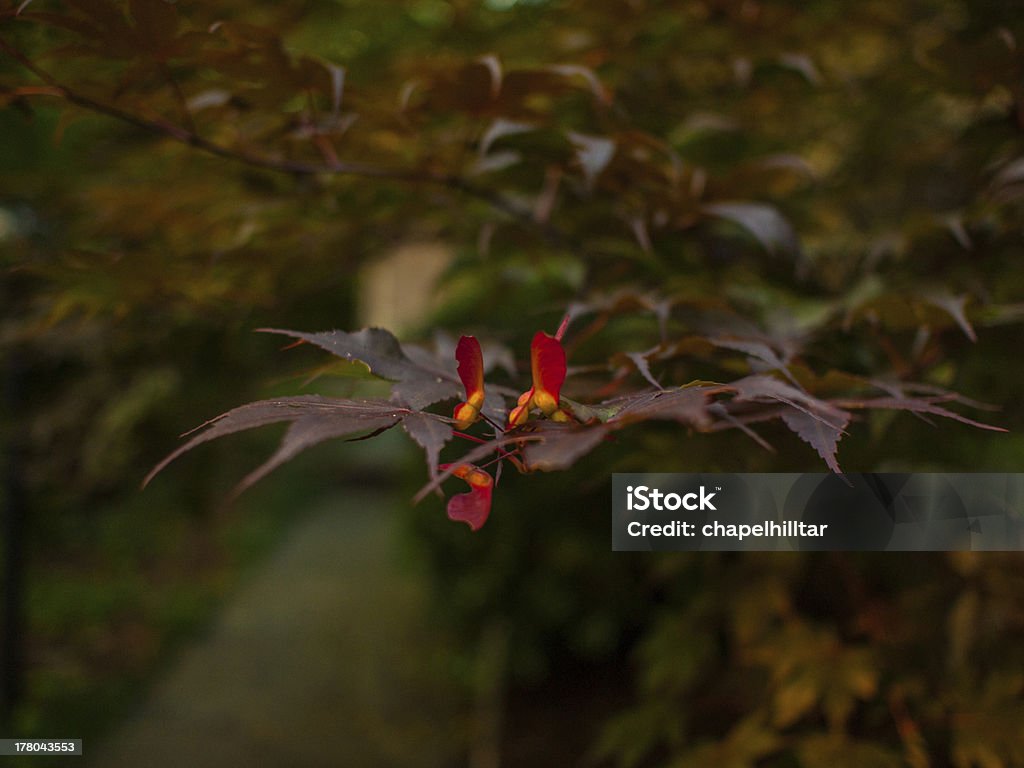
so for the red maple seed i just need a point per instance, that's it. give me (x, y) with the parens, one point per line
(548, 366)
(474, 506)
(471, 371)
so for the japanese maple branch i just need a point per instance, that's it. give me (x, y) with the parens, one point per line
(525, 217)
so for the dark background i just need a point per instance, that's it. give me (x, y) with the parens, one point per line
(134, 268)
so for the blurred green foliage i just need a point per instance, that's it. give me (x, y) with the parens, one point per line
(681, 155)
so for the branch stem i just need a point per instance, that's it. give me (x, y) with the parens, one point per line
(523, 216)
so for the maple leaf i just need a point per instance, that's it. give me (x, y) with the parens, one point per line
(764, 222)
(313, 418)
(821, 436)
(920, 405)
(418, 383)
(557, 446)
(687, 405)
(430, 433)
(817, 422)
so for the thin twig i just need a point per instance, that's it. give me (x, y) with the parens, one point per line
(523, 216)
(179, 97)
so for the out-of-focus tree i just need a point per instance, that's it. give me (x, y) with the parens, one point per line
(824, 195)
